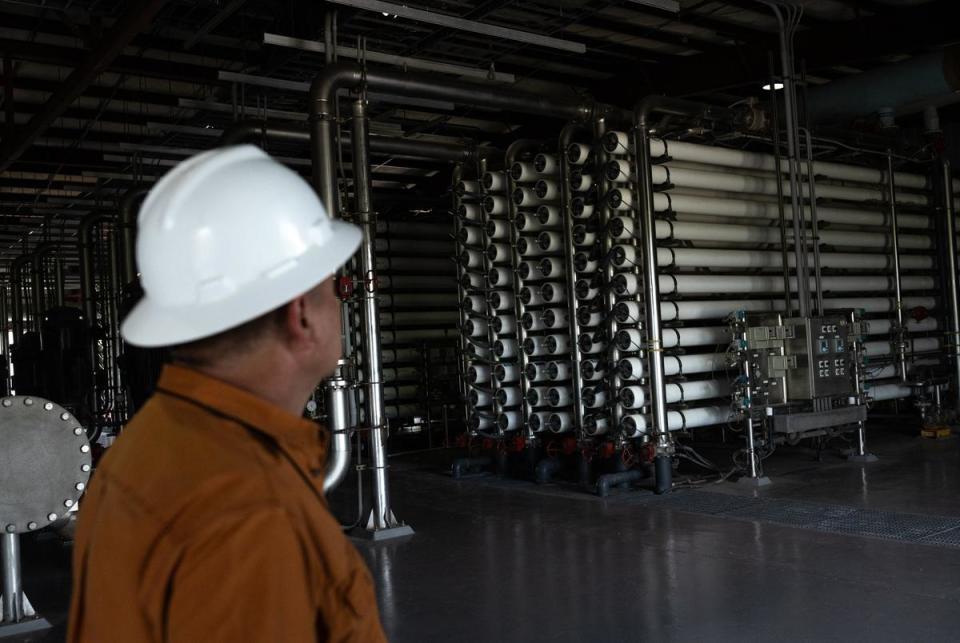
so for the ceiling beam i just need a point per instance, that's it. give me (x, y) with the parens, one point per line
(136, 19)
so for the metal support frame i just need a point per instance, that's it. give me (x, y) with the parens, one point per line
(566, 137)
(382, 523)
(900, 330)
(18, 617)
(645, 195)
(950, 272)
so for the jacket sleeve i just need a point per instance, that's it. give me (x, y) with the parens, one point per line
(243, 578)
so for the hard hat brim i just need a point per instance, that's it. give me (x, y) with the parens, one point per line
(150, 325)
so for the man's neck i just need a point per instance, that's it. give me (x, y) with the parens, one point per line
(267, 377)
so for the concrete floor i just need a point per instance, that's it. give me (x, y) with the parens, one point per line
(497, 560)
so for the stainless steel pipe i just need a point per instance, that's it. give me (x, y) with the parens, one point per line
(12, 587)
(953, 338)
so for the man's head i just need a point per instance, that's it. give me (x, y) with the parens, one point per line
(236, 256)
(305, 333)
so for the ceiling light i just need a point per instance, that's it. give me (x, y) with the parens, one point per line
(776, 86)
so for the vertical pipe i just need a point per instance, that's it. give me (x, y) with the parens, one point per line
(895, 249)
(4, 341)
(12, 589)
(751, 438)
(658, 394)
(128, 224)
(464, 363)
(953, 339)
(790, 122)
(566, 137)
(337, 398)
(60, 294)
(814, 223)
(609, 296)
(774, 111)
(376, 415)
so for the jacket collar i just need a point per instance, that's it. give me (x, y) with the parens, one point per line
(294, 433)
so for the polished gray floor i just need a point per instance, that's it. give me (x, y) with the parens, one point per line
(499, 560)
(505, 560)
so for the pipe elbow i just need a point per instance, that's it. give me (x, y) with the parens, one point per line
(241, 132)
(337, 461)
(327, 82)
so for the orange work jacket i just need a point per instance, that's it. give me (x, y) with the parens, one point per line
(206, 522)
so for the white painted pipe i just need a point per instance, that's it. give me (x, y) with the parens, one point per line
(536, 372)
(889, 392)
(550, 241)
(748, 208)
(510, 421)
(914, 345)
(693, 310)
(507, 373)
(471, 281)
(594, 425)
(471, 259)
(478, 373)
(578, 153)
(480, 423)
(504, 324)
(539, 421)
(629, 340)
(885, 326)
(581, 181)
(580, 208)
(692, 364)
(500, 277)
(494, 181)
(615, 142)
(631, 368)
(474, 304)
(398, 374)
(683, 151)
(528, 222)
(594, 397)
(531, 296)
(584, 262)
(592, 369)
(529, 270)
(499, 253)
(583, 236)
(528, 247)
(586, 289)
(537, 396)
(619, 171)
(505, 348)
(557, 344)
(535, 346)
(526, 197)
(392, 393)
(560, 422)
(627, 284)
(555, 317)
(553, 292)
(532, 321)
(549, 216)
(546, 164)
(465, 187)
(547, 190)
(509, 396)
(697, 231)
(480, 397)
(405, 336)
(468, 212)
(635, 397)
(558, 371)
(559, 396)
(498, 229)
(551, 267)
(695, 336)
(588, 317)
(590, 343)
(712, 284)
(475, 327)
(495, 205)
(727, 181)
(734, 259)
(501, 300)
(524, 172)
(637, 425)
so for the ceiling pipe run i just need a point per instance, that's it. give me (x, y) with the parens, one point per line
(323, 93)
(900, 88)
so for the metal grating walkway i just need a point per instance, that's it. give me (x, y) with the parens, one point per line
(835, 519)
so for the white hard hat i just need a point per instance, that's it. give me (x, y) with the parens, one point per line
(225, 237)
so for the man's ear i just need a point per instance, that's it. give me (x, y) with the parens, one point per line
(296, 322)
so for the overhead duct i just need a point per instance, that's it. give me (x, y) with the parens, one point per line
(906, 85)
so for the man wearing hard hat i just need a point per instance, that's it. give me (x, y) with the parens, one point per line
(206, 520)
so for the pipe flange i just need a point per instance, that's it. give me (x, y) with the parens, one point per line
(45, 463)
